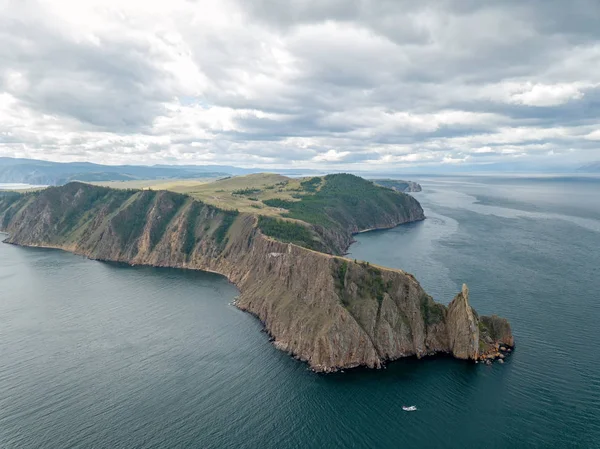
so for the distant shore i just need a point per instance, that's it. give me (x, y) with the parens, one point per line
(19, 186)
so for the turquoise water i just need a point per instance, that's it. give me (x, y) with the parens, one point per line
(106, 356)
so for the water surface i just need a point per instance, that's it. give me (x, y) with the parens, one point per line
(107, 356)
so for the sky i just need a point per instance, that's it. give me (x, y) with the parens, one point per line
(338, 84)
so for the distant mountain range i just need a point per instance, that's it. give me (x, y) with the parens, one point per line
(593, 167)
(31, 171)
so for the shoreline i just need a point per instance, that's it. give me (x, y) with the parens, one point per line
(307, 300)
(386, 228)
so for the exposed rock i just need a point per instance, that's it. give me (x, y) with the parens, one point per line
(413, 187)
(328, 311)
(463, 330)
(399, 185)
(498, 329)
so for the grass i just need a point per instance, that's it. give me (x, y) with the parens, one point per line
(311, 185)
(343, 199)
(8, 200)
(168, 209)
(368, 281)
(244, 193)
(129, 222)
(173, 185)
(220, 234)
(333, 205)
(431, 311)
(341, 203)
(190, 229)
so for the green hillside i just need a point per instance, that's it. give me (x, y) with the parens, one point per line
(319, 213)
(340, 204)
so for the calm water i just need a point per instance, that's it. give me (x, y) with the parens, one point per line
(105, 356)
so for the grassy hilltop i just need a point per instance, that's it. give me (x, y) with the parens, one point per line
(330, 311)
(318, 213)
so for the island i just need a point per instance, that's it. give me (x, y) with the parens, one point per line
(282, 242)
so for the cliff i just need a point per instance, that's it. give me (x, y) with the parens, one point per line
(398, 185)
(341, 205)
(326, 310)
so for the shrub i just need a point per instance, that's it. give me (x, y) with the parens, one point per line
(246, 191)
(278, 202)
(311, 184)
(221, 232)
(289, 232)
(190, 229)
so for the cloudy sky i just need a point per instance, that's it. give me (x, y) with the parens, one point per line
(349, 84)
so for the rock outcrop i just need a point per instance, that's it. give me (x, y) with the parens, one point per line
(463, 328)
(329, 311)
(399, 185)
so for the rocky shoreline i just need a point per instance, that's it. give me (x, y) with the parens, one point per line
(332, 312)
(499, 355)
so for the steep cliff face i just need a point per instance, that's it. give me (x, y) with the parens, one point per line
(329, 311)
(463, 328)
(398, 185)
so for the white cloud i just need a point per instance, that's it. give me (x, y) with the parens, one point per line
(594, 135)
(449, 159)
(375, 83)
(331, 156)
(531, 94)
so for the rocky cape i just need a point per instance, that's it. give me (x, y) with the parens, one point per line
(398, 185)
(331, 312)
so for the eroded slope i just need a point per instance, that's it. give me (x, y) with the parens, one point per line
(331, 312)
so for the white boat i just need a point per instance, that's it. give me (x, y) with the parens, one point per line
(412, 408)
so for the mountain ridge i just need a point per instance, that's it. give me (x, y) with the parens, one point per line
(331, 312)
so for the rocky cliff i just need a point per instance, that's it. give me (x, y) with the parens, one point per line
(399, 185)
(329, 311)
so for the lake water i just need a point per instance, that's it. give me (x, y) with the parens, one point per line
(106, 356)
(17, 186)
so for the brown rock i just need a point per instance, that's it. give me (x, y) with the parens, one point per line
(363, 318)
(498, 329)
(463, 331)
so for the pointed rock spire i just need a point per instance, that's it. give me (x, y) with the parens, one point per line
(463, 327)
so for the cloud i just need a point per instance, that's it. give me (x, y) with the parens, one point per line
(332, 156)
(541, 95)
(355, 84)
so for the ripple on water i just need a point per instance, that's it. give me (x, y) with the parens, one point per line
(99, 355)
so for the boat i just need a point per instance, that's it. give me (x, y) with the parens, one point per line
(411, 408)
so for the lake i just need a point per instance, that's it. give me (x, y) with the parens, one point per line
(110, 356)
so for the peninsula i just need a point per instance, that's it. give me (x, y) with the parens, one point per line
(398, 185)
(281, 241)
